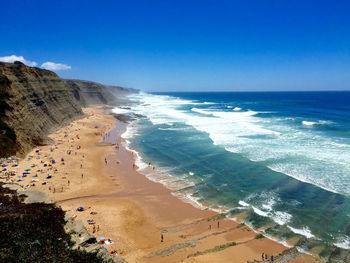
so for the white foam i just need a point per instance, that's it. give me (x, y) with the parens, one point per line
(283, 242)
(237, 109)
(130, 132)
(119, 110)
(304, 232)
(308, 123)
(268, 200)
(281, 218)
(299, 153)
(260, 212)
(343, 242)
(188, 198)
(206, 112)
(313, 123)
(242, 203)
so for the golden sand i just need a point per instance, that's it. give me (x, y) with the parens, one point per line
(127, 207)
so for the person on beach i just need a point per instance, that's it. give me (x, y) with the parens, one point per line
(209, 227)
(98, 228)
(263, 256)
(82, 176)
(105, 161)
(266, 257)
(161, 238)
(93, 229)
(271, 258)
(218, 224)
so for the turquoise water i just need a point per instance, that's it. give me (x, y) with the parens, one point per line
(281, 159)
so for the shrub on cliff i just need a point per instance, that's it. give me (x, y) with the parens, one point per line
(35, 233)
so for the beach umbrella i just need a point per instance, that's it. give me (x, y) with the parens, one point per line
(101, 238)
(28, 169)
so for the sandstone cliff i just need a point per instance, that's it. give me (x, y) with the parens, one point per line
(34, 102)
(92, 93)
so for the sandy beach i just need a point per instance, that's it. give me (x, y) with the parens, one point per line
(93, 170)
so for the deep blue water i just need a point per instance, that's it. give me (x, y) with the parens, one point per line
(280, 158)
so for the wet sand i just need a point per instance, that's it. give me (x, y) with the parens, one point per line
(130, 209)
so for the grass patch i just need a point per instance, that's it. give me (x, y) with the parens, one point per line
(217, 217)
(259, 236)
(214, 249)
(102, 144)
(241, 225)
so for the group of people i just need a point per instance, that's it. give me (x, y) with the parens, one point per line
(265, 257)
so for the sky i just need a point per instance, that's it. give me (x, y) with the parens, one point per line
(184, 45)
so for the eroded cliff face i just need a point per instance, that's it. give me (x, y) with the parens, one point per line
(33, 102)
(93, 93)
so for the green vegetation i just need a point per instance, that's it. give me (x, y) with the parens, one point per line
(241, 225)
(35, 233)
(214, 249)
(217, 217)
(259, 236)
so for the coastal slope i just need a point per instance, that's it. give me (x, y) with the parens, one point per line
(90, 93)
(34, 102)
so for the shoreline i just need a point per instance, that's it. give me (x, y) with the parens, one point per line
(134, 211)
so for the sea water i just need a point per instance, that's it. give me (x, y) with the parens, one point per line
(280, 160)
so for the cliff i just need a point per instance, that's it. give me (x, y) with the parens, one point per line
(92, 93)
(34, 102)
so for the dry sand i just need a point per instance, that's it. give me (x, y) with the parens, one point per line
(132, 210)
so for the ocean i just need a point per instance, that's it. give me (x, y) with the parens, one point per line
(279, 161)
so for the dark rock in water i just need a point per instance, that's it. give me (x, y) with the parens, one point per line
(339, 255)
(122, 117)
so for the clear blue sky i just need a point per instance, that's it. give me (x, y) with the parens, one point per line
(186, 45)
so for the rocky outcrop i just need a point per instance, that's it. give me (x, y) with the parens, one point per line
(284, 257)
(78, 233)
(34, 102)
(84, 240)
